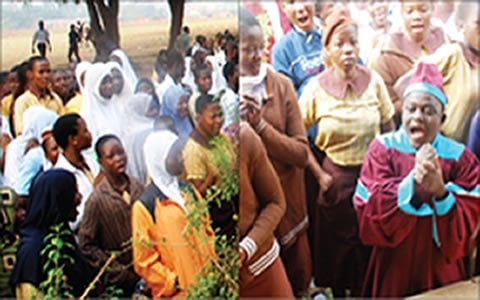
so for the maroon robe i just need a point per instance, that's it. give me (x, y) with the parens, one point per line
(400, 221)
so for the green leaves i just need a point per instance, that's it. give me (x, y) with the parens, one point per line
(218, 279)
(55, 285)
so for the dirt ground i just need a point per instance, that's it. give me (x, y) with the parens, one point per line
(141, 40)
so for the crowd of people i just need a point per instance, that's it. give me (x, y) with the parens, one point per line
(111, 157)
(353, 127)
(368, 111)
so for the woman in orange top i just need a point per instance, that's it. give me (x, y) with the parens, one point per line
(165, 256)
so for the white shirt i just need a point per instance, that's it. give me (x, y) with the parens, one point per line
(85, 187)
(41, 36)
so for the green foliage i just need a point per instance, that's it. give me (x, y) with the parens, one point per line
(219, 278)
(55, 285)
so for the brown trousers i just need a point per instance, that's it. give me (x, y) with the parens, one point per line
(298, 264)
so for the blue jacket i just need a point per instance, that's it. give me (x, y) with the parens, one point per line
(297, 55)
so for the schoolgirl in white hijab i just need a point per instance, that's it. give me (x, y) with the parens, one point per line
(102, 112)
(80, 70)
(139, 127)
(119, 56)
(35, 120)
(156, 149)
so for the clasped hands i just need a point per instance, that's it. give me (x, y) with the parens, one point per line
(428, 172)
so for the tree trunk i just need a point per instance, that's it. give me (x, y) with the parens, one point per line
(104, 38)
(176, 9)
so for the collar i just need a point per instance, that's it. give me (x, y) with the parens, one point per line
(405, 145)
(472, 59)
(402, 42)
(106, 188)
(45, 94)
(338, 88)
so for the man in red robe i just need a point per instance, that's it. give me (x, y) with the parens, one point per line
(418, 198)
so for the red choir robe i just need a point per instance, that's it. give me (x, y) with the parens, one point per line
(419, 243)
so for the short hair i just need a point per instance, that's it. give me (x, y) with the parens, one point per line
(174, 57)
(34, 59)
(186, 29)
(102, 140)
(247, 20)
(229, 69)
(64, 127)
(199, 69)
(203, 101)
(200, 38)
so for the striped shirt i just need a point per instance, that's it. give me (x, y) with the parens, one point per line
(346, 126)
(461, 84)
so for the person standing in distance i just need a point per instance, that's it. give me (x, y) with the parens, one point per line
(41, 38)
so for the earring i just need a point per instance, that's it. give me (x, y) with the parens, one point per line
(75, 143)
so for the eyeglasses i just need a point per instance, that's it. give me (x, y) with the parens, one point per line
(251, 51)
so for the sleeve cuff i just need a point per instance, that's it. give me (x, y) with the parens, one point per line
(250, 247)
(445, 205)
(260, 126)
(406, 190)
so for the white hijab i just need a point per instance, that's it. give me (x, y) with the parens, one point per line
(35, 119)
(135, 113)
(156, 149)
(130, 75)
(139, 127)
(103, 116)
(81, 68)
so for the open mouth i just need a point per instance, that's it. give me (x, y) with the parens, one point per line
(417, 27)
(302, 20)
(417, 132)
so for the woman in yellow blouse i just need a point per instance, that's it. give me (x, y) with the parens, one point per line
(351, 106)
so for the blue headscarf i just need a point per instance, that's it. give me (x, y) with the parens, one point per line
(169, 108)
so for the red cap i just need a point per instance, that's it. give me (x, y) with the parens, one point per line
(427, 79)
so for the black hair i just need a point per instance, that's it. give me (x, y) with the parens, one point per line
(161, 61)
(200, 39)
(199, 69)
(64, 127)
(203, 101)
(102, 140)
(32, 60)
(174, 57)
(229, 69)
(22, 79)
(4, 76)
(41, 23)
(186, 29)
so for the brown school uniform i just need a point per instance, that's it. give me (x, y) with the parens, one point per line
(397, 57)
(262, 205)
(286, 144)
